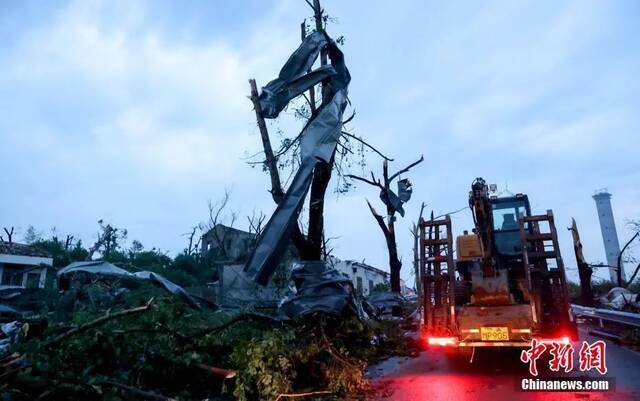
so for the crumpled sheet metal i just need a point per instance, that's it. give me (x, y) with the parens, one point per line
(405, 189)
(318, 142)
(392, 200)
(385, 302)
(294, 77)
(319, 290)
(621, 299)
(106, 269)
(8, 310)
(10, 333)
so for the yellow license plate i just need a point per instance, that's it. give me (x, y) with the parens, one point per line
(494, 333)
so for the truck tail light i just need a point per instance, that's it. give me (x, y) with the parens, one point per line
(442, 341)
(559, 340)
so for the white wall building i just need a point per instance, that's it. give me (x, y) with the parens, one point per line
(363, 276)
(23, 266)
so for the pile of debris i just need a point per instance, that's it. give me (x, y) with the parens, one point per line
(138, 336)
(621, 299)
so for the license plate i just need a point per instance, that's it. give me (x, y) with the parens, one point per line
(494, 333)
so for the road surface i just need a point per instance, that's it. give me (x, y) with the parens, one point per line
(434, 376)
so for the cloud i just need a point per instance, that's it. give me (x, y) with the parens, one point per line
(137, 112)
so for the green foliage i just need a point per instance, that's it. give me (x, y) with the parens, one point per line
(61, 253)
(317, 353)
(574, 291)
(382, 287)
(268, 367)
(158, 351)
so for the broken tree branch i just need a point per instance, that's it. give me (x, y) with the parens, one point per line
(9, 234)
(237, 319)
(375, 183)
(312, 91)
(348, 120)
(404, 170)
(97, 322)
(296, 395)
(620, 283)
(365, 143)
(633, 277)
(147, 395)
(224, 373)
(380, 220)
(271, 162)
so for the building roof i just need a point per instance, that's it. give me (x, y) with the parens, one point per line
(229, 229)
(368, 267)
(14, 248)
(361, 264)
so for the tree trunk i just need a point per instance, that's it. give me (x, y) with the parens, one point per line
(321, 178)
(584, 270)
(416, 260)
(394, 263)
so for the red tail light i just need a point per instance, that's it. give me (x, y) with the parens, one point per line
(559, 340)
(442, 341)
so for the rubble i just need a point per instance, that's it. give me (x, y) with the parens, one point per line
(83, 272)
(11, 333)
(318, 289)
(387, 304)
(619, 298)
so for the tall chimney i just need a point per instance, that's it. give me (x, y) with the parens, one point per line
(609, 233)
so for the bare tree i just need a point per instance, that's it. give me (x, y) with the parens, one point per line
(635, 225)
(388, 229)
(256, 223)
(9, 235)
(68, 242)
(217, 218)
(193, 240)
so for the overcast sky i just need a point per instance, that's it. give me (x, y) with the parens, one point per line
(136, 112)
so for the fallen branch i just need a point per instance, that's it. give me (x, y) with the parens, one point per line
(97, 322)
(224, 373)
(294, 395)
(237, 319)
(334, 353)
(10, 372)
(11, 360)
(144, 394)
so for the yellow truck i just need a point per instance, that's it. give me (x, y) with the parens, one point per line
(504, 283)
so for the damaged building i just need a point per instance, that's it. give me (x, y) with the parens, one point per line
(364, 277)
(23, 266)
(227, 243)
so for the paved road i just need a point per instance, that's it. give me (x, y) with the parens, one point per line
(433, 376)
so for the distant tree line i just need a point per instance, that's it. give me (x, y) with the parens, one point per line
(187, 268)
